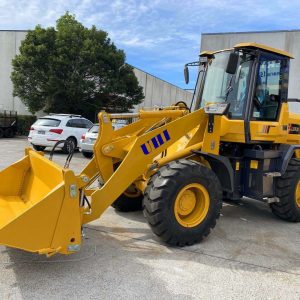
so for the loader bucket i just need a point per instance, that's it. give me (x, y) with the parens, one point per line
(39, 206)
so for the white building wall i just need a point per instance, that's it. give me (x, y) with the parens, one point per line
(284, 40)
(156, 91)
(159, 92)
(10, 42)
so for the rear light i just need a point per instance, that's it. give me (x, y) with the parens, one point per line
(58, 131)
(83, 137)
(31, 128)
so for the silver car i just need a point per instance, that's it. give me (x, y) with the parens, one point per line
(87, 141)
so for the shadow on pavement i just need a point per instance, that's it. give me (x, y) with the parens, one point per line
(123, 259)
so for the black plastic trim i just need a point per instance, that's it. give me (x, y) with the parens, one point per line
(248, 110)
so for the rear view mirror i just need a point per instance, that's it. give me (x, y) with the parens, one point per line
(186, 74)
(232, 63)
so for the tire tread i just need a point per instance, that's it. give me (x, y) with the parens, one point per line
(286, 208)
(158, 192)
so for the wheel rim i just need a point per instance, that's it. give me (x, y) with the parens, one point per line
(70, 145)
(191, 205)
(297, 194)
(132, 192)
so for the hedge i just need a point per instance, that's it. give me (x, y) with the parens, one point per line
(24, 124)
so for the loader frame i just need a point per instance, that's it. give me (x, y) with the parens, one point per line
(246, 156)
(137, 144)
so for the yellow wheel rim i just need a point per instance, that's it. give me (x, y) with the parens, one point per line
(132, 192)
(297, 194)
(191, 205)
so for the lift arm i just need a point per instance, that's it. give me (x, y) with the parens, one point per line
(136, 151)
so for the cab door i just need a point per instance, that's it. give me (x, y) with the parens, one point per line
(270, 92)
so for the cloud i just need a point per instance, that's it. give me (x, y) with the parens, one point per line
(158, 36)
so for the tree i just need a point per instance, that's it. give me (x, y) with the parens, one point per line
(73, 69)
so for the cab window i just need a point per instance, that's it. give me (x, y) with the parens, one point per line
(231, 88)
(238, 99)
(271, 87)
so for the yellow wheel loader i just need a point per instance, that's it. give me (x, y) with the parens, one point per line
(238, 139)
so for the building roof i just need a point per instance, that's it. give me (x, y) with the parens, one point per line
(251, 32)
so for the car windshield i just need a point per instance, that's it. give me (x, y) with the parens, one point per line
(94, 129)
(224, 87)
(48, 122)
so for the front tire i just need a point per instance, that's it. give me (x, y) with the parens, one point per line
(182, 202)
(288, 192)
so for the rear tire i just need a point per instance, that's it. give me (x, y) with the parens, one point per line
(288, 191)
(38, 148)
(87, 154)
(129, 201)
(182, 202)
(9, 133)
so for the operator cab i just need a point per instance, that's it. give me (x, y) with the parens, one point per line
(251, 78)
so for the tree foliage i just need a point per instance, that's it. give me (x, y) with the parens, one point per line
(73, 69)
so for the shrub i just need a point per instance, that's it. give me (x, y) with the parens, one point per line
(24, 124)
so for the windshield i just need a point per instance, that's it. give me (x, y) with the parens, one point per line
(223, 87)
(197, 92)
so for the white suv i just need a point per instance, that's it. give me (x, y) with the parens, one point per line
(48, 130)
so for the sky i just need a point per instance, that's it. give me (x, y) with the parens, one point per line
(158, 36)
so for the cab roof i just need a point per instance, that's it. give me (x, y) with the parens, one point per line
(263, 47)
(250, 46)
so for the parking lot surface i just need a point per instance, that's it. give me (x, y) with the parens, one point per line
(249, 255)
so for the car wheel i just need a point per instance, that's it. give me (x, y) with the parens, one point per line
(8, 133)
(71, 143)
(87, 154)
(38, 148)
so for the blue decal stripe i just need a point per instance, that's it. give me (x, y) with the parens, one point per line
(154, 142)
(160, 139)
(145, 150)
(166, 134)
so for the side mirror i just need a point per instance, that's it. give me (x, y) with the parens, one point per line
(186, 74)
(232, 63)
